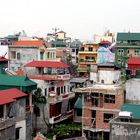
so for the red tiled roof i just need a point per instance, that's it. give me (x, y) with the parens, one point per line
(2, 58)
(105, 42)
(28, 43)
(46, 64)
(19, 72)
(9, 95)
(42, 78)
(134, 60)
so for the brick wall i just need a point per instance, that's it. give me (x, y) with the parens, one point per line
(100, 124)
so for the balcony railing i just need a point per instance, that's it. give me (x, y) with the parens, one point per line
(61, 117)
(6, 122)
(55, 76)
(53, 97)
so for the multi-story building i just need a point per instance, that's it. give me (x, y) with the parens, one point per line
(24, 84)
(105, 73)
(128, 45)
(12, 114)
(24, 51)
(106, 37)
(87, 56)
(75, 45)
(101, 103)
(54, 80)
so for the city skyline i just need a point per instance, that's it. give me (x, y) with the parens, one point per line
(79, 19)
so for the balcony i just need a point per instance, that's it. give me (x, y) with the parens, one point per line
(87, 61)
(61, 117)
(88, 52)
(53, 97)
(6, 122)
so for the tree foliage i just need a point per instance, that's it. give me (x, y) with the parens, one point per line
(66, 129)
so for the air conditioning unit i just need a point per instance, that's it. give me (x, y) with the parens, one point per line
(125, 114)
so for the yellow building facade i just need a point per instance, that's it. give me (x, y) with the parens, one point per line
(87, 56)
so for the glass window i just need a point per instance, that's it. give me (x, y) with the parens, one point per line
(41, 55)
(137, 52)
(120, 52)
(13, 54)
(18, 56)
(109, 98)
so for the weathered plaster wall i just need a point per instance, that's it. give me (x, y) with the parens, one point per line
(124, 131)
(133, 91)
(26, 55)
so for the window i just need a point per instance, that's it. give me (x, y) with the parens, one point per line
(119, 61)
(79, 112)
(109, 98)
(18, 56)
(58, 90)
(13, 54)
(1, 111)
(87, 97)
(102, 81)
(97, 99)
(82, 48)
(17, 133)
(51, 89)
(48, 55)
(62, 90)
(46, 92)
(90, 49)
(19, 68)
(73, 50)
(108, 117)
(120, 52)
(137, 52)
(41, 55)
(128, 52)
(13, 68)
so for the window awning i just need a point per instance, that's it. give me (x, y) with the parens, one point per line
(78, 104)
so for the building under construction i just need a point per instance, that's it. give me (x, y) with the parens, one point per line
(100, 104)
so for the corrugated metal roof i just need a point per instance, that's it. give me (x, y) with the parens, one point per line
(135, 109)
(47, 64)
(9, 95)
(128, 36)
(134, 60)
(14, 80)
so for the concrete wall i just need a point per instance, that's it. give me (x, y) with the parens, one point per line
(26, 55)
(8, 134)
(18, 108)
(107, 75)
(4, 50)
(124, 131)
(22, 130)
(133, 91)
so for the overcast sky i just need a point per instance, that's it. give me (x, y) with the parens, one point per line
(79, 18)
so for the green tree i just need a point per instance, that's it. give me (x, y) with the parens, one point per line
(67, 129)
(39, 101)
